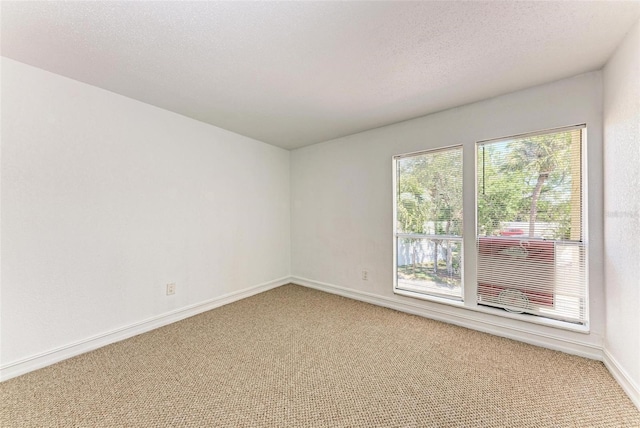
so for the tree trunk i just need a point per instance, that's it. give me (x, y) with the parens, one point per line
(449, 252)
(415, 256)
(435, 256)
(534, 203)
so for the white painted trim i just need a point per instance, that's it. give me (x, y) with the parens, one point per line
(496, 311)
(622, 377)
(26, 365)
(17, 368)
(468, 319)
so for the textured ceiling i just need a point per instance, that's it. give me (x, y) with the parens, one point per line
(297, 73)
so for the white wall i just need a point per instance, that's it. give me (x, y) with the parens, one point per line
(106, 199)
(341, 194)
(622, 208)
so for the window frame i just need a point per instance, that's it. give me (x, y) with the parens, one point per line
(425, 296)
(569, 325)
(469, 235)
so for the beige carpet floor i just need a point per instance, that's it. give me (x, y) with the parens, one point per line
(295, 357)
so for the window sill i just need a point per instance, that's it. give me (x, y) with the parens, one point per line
(531, 319)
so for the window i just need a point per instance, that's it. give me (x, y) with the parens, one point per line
(531, 253)
(428, 223)
(531, 248)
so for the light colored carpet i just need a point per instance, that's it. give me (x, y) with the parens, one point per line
(295, 357)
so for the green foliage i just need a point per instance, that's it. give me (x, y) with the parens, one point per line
(500, 195)
(430, 201)
(526, 180)
(430, 193)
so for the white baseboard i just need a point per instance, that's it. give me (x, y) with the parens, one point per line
(53, 356)
(622, 377)
(468, 319)
(17, 368)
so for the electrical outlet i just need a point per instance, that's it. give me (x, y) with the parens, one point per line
(365, 275)
(171, 289)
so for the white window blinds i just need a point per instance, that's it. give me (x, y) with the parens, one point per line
(531, 253)
(428, 229)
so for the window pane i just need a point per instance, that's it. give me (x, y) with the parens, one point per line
(429, 223)
(431, 266)
(531, 254)
(429, 194)
(531, 187)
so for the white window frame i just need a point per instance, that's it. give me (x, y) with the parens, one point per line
(424, 296)
(469, 257)
(580, 327)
